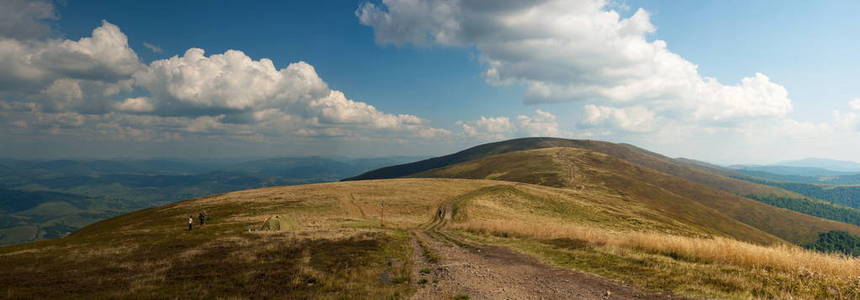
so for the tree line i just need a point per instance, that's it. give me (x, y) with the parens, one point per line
(811, 207)
(843, 195)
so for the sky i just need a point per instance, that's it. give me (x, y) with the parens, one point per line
(720, 81)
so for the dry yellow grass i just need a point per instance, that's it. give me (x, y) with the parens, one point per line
(336, 248)
(719, 250)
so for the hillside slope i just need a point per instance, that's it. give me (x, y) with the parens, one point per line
(626, 152)
(681, 199)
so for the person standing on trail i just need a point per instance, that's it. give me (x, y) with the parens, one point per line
(202, 217)
(190, 222)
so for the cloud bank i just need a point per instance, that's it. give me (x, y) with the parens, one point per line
(541, 123)
(97, 88)
(577, 51)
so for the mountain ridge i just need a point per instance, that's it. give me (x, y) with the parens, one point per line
(668, 193)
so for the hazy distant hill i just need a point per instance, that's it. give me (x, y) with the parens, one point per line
(793, 171)
(823, 163)
(829, 180)
(626, 152)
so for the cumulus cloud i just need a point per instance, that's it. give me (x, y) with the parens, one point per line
(103, 56)
(489, 128)
(496, 128)
(23, 19)
(335, 108)
(29, 67)
(575, 51)
(628, 119)
(231, 80)
(97, 86)
(247, 90)
(540, 124)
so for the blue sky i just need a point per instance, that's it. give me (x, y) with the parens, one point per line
(430, 84)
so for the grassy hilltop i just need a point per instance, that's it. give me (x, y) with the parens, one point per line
(677, 197)
(632, 224)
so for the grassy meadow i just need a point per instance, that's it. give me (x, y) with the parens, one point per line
(353, 240)
(657, 258)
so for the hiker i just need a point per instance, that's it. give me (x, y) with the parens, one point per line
(202, 218)
(190, 222)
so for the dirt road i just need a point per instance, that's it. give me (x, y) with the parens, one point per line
(492, 272)
(446, 268)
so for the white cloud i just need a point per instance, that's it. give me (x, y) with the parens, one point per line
(496, 128)
(65, 93)
(138, 104)
(153, 48)
(487, 128)
(629, 119)
(96, 86)
(541, 124)
(248, 90)
(576, 51)
(854, 104)
(40, 67)
(849, 121)
(103, 56)
(22, 19)
(337, 109)
(231, 80)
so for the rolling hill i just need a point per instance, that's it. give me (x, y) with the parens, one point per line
(679, 198)
(643, 191)
(626, 152)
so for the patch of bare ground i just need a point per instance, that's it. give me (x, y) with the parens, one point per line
(493, 272)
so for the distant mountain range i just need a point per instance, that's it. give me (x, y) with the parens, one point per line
(823, 163)
(810, 170)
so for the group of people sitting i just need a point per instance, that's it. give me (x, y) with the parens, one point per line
(202, 217)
